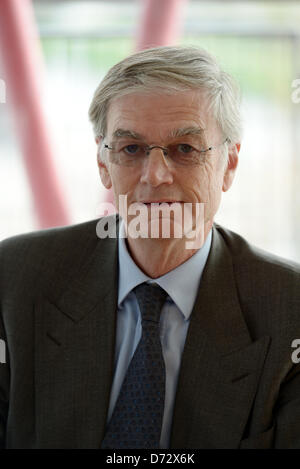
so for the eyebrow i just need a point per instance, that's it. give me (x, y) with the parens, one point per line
(186, 131)
(119, 133)
(175, 133)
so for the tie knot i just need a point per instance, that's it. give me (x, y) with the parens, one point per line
(151, 299)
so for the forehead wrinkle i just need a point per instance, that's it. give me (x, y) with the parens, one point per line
(180, 132)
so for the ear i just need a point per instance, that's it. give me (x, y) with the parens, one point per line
(233, 158)
(102, 166)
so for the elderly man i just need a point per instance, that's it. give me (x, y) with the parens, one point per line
(139, 339)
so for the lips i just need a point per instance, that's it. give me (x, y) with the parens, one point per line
(158, 202)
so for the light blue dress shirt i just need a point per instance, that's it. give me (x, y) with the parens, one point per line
(182, 285)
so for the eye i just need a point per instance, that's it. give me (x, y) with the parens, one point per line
(132, 149)
(184, 148)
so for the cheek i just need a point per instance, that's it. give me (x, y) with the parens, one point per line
(215, 188)
(207, 184)
(124, 181)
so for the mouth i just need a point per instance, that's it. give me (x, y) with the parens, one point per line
(159, 202)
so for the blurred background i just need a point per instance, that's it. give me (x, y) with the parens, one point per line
(54, 53)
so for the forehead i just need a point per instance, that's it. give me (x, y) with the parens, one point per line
(156, 115)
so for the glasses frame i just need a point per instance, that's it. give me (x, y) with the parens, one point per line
(165, 149)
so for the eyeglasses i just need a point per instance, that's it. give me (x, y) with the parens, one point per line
(178, 154)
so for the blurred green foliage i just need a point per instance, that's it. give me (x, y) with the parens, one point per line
(262, 66)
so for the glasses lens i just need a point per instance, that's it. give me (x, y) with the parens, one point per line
(127, 153)
(183, 154)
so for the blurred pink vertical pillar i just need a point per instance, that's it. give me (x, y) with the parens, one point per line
(161, 23)
(23, 68)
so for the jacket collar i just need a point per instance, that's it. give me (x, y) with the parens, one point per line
(74, 357)
(221, 365)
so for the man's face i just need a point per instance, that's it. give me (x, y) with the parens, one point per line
(156, 118)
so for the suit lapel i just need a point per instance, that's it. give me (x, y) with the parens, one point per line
(221, 366)
(75, 342)
(74, 358)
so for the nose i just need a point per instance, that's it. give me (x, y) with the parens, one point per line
(155, 169)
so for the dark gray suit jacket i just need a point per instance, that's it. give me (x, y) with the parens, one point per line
(237, 388)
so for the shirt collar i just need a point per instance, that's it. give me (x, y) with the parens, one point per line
(181, 283)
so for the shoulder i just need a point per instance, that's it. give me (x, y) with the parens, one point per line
(43, 254)
(38, 238)
(30, 247)
(66, 237)
(268, 286)
(247, 256)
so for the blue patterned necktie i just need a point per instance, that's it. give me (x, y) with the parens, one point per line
(137, 418)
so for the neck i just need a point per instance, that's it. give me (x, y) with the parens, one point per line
(157, 256)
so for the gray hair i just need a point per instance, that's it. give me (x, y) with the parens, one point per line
(171, 69)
